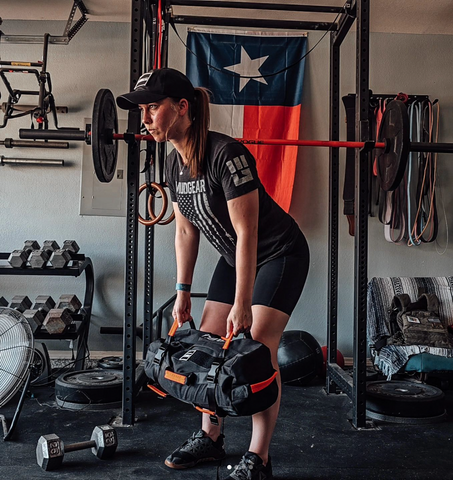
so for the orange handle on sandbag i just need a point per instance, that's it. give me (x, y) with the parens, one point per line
(173, 329)
(156, 390)
(204, 410)
(175, 326)
(227, 341)
(257, 387)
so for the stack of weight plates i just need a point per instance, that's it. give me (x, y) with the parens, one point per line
(405, 402)
(95, 389)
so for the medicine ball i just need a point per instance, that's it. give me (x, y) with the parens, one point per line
(299, 357)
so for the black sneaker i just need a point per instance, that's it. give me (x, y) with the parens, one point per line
(198, 448)
(251, 468)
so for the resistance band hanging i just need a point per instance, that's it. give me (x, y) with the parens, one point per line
(403, 215)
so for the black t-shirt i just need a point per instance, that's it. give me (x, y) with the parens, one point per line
(229, 172)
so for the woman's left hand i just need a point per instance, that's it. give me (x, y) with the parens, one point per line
(239, 320)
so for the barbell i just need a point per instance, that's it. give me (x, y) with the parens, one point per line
(393, 144)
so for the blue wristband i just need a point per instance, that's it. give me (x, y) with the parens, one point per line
(185, 287)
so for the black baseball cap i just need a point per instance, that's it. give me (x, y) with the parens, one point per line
(157, 85)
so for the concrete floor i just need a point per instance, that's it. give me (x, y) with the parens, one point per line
(314, 439)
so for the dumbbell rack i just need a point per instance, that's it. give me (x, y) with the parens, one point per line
(80, 328)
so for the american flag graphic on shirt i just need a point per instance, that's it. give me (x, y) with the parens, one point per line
(193, 203)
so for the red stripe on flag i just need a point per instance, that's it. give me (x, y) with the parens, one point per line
(276, 164)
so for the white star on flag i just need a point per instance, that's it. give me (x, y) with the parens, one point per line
(248, 68)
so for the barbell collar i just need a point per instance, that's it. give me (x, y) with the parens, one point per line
(88, 134)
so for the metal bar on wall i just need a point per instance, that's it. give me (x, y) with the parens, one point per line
(361, 215)
(133, 164)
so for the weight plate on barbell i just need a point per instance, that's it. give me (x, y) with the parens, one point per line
(394, 130)
(104, 121)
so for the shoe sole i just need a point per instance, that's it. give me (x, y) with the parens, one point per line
(192, 464)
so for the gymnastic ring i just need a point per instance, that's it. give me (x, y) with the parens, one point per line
(165, 221)
(154, 218)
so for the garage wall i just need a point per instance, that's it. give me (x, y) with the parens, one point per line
(43, 202)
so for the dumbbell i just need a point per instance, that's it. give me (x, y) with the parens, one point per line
(59, 318)
(62, 256)
(18, 258)
(51, 449)
(41, 308)
(39, 258)
(20, 303)
(36, 315)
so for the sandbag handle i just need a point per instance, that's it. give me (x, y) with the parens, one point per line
(230, 337)
(227, 340)
(175, 325)
(173, 328)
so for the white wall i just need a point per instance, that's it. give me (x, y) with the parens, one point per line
(43, 202)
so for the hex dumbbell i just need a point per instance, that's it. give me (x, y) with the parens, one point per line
(20, 303)
(59, 318)
(19, 258)
(39, 258)
(51, 449)
(62, 256)
(44, 303)
(36, 315)
(69, 301)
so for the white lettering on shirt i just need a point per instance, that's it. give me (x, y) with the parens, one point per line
(195, 186)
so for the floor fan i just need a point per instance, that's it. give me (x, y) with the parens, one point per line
(16, 355)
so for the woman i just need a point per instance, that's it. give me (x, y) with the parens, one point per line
(264, 260)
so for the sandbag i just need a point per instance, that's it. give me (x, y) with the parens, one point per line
(216, 375)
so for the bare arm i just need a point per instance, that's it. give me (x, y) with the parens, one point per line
(243, 212)
(187, 238)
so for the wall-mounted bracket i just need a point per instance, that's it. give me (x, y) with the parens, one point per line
(69, 31)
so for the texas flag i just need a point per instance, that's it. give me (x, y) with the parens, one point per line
(256, 83)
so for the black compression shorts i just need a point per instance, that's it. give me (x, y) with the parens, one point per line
(278, 283)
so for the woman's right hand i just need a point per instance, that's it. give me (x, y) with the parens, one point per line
(182, 307)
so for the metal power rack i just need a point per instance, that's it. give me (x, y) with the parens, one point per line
(356, 10)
